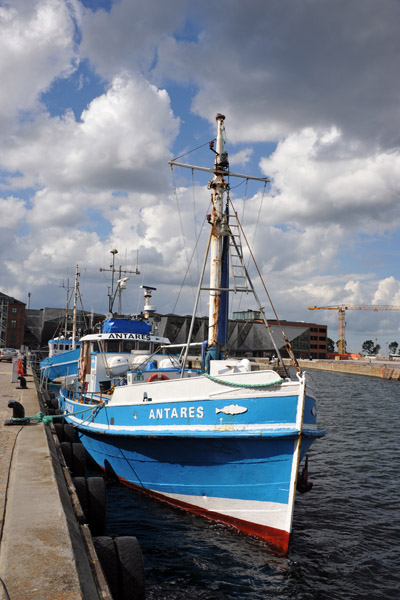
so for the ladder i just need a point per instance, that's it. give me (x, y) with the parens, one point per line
(240, 282)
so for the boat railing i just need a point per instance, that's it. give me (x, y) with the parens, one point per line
(83, 397)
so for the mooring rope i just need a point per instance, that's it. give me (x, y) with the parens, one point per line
(242, 385)
(47, 419)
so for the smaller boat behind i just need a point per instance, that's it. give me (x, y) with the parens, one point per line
(64, 350)
(62, 360)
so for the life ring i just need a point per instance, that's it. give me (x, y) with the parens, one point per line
(157, 377)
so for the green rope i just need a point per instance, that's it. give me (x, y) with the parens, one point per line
(47, 419)
(242, 385)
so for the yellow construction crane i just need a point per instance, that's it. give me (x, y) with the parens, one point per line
(341, 308)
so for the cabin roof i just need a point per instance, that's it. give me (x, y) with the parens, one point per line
(140, 337)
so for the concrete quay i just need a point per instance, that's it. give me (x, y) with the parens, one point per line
(45, 553)
(373, 368)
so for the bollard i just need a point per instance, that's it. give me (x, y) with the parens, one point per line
(22, 383)
(18, 413)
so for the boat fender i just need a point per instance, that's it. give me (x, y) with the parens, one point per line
(157, 377)
(303, 484)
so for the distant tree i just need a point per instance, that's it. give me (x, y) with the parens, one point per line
(368, 347)
(393, 347)
(376, 349)
(345, 345)
(330, 345)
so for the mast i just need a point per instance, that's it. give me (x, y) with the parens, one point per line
(66, 309)
(219, 229)
(218, 248)
(76, 287)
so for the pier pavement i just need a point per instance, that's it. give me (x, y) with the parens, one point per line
(369, 368)
(42, 554)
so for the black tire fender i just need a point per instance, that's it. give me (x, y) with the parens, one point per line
(131, 568)
(97, 505)
(78, 459)
(107, 556)
(70, 433)
(53, 402)
(82, 493)
(67, 453)
(59, 431)
(58, 416)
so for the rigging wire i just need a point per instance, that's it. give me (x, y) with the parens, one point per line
(238, 185)
(195, 228)
(255, 230)
(194, 219)
(194, 150)
(244, 199)
(286, 340)
(182, 231)
(189, 264)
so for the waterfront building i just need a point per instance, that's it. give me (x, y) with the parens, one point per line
(12, 319)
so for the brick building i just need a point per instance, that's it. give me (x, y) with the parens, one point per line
(12, 322)
(307, 339)
(249, 336)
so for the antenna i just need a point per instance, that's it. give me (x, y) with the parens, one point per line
(121, 281)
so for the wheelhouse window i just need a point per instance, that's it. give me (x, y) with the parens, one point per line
(146, 346)
(112, 346)
(128, 346)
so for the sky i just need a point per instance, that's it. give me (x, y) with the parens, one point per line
(97, 96)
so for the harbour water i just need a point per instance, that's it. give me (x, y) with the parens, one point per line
(346, 533)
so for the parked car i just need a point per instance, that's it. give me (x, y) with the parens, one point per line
(8, 354)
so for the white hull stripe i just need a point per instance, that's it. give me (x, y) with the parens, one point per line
(286, 428)
(268, 514)
(58, 364)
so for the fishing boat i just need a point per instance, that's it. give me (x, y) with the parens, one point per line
(62, 360)
(216, 436)
(64, 349)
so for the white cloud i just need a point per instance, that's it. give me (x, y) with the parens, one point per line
(387, 292)
(126, 37)
(275, 68)
(121, 141)
(313, 184)
(242, 157)
(36, 47)
(12, 212)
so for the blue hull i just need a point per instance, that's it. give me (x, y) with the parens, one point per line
(60, 365)
(193, 455)
(244, 469)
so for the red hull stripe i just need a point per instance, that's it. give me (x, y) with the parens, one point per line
(276, 537)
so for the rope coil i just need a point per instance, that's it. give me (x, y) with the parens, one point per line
(243, 385)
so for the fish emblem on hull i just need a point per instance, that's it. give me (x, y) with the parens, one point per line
(232, 409)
